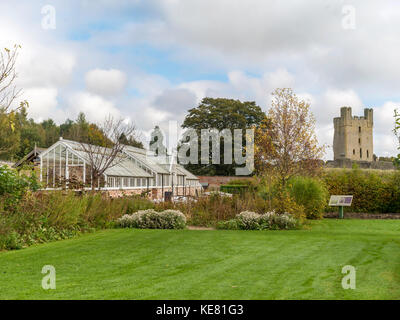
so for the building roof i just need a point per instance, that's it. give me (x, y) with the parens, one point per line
(127, 168)
(158, 164)
(123, 167)
(146, 158)
(30, 156)
(188, 174)
(132, 162)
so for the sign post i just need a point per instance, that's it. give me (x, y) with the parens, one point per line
(341, 202)
(341, 212)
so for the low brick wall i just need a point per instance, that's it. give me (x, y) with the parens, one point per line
(121, 193)
(155, 193)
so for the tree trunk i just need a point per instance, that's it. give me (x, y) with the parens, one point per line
(95, 178)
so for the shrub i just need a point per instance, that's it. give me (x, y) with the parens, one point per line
(208, 210)
(14, 186)
(311, 193)
(247, 182)
(248, 220)
(373, 191)
(151, 219)
(253, 221)
(11, 241)
(283, 202)
(234, 189)
(274, 221)
(228, 225)
(137, 203)
(47, 216)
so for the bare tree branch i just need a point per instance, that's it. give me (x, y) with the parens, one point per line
(8, 75)
(108, 153)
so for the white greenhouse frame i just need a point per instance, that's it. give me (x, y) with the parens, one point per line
(61, 162)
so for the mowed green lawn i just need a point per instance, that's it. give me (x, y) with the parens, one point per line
(188, 264)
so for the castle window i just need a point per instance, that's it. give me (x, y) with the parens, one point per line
(360, 153)
(367, 154)
(359, 129)
(359, 140)
(354, 151)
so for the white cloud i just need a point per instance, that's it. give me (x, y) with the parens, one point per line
(242, 86)
(385, 142)
(43, 103)
(148, 84)
(305, 36)
(259, 45)
(327, 105)
(105, 82)
(43, 66)
(175, 101)
(95, 107)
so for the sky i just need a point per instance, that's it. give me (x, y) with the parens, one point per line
(150, 61)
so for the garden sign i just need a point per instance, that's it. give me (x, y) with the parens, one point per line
(340, 201)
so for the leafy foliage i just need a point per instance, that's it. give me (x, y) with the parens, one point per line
(131, 141)
(14, 186)
(20, 134)
(397, 133)
(208, 210)
(286, 143)
(41, 217)
(373, 191)
(311, 193)
(232, 188)
(247, 182)
(9, 137)
(220, 114)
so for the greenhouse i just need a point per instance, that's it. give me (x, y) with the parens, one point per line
(67, 162)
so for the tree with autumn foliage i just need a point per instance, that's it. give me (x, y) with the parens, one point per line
(397, 133)
(8, 96)
(285, 143)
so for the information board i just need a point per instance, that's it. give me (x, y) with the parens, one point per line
(341, 201)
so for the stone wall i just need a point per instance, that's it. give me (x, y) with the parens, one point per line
(348, 163)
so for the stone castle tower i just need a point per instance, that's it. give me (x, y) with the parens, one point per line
(353, 136)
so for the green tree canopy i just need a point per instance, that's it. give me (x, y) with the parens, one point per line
(131, 141)
(19, 135)
(220, 114)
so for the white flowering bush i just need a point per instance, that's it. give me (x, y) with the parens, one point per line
(151, 219)
(248, 220)
(273, 221)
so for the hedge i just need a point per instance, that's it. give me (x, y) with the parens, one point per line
(373, 191)
(234, 188)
